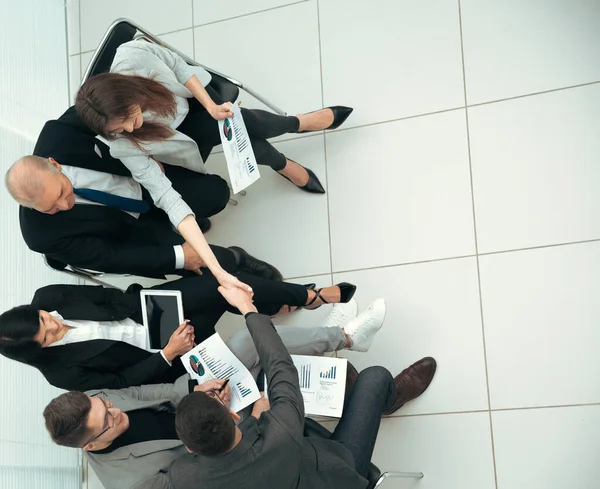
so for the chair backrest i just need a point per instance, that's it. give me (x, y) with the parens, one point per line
(120, 33)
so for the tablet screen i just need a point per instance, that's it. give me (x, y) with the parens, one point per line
(162, 316)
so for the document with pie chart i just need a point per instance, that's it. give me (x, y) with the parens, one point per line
(212, 359)
(241, 162)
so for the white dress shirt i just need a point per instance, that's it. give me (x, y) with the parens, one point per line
(115, 185)
(126, 330)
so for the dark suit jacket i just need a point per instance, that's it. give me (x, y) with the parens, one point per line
(97, 364)
(273, 452)
(91, 236)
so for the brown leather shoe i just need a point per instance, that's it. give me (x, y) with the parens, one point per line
(412, 382)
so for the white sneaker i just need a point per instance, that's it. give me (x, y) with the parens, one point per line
(340, 314)
(363, 328)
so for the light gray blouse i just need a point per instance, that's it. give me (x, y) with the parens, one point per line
(150, 60)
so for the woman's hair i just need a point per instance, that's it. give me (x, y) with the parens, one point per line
(109, 96)
(18, 326)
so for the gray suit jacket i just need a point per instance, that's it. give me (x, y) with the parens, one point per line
(142, 465)
(273, 452)
(150, 60)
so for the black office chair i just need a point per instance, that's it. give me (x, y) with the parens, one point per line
(376, 477)
(124, 30)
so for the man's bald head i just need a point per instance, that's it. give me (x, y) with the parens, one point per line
(39, 183)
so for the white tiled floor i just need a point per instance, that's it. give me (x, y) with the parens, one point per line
(478, 223)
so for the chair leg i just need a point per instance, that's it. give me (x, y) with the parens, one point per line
(243, 192)
(397, 475)
(233, 202)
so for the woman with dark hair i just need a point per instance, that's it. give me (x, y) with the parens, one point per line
(154, 109)
(89, 337)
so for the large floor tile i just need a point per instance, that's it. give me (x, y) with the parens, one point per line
(207, 12)
(518, 47)
(453, 451)
(183, 41)
(400, 192)
(156, 16)
(432, 310)
(535, 169)
(547, 448)
(277, 221)
(72, 7)
(541, 313)
(276, 53)
(391, 59)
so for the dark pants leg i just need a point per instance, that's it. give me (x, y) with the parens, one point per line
(203, 305)
(262, 125)
(206, 194)
(374, 392)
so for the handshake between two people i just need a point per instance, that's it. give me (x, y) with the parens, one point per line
(194, 263)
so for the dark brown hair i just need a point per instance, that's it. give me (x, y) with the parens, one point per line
(204, 425)
(66, 419)
(110, 96)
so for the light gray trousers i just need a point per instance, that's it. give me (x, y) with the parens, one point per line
(297, 340)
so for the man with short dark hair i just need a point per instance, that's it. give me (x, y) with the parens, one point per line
(272, 451)
(128, 435)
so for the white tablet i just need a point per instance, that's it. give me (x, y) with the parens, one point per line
(162, 313)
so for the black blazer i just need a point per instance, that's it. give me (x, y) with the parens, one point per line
(97, 364)
(91, 236)
(273, 452)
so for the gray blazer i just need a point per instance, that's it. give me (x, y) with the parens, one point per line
(273, 452)
(150, 60)
(142, 465)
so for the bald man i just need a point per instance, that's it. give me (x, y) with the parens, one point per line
(104, 234)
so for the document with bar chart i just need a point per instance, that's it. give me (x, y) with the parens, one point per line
(323, 384)
(212, 359)
(241, 162)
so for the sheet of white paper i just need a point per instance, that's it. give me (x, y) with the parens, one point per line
(212, 359)
(241, 162)
(322, 383)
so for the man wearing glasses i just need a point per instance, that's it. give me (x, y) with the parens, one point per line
(128, 435)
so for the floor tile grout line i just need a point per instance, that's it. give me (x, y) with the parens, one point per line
(491, 411)
(481, 315)
(532, 94)
(193, 33)
(278, 7)
(68, 42)
(540, 247)
(80, 41)
(457, 257)
(324, 143)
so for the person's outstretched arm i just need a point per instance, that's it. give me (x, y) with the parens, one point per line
(285, 397)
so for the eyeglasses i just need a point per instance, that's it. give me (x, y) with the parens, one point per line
(109, 421)
(215, 394)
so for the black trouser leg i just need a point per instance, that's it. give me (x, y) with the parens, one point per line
(373, 393)
(204, 305)
(206, 194)
(204, 130)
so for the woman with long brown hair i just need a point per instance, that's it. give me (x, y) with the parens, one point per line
(153, 107)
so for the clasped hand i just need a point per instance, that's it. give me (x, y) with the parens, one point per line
(220, 112)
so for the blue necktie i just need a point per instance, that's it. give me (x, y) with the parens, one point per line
(110, 200)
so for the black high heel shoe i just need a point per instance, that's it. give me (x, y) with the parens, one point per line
(340, 114)
(313, 185)
(346, 293)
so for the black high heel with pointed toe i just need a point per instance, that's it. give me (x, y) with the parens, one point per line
(313, 185)
(340, 114)
(346, 293)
